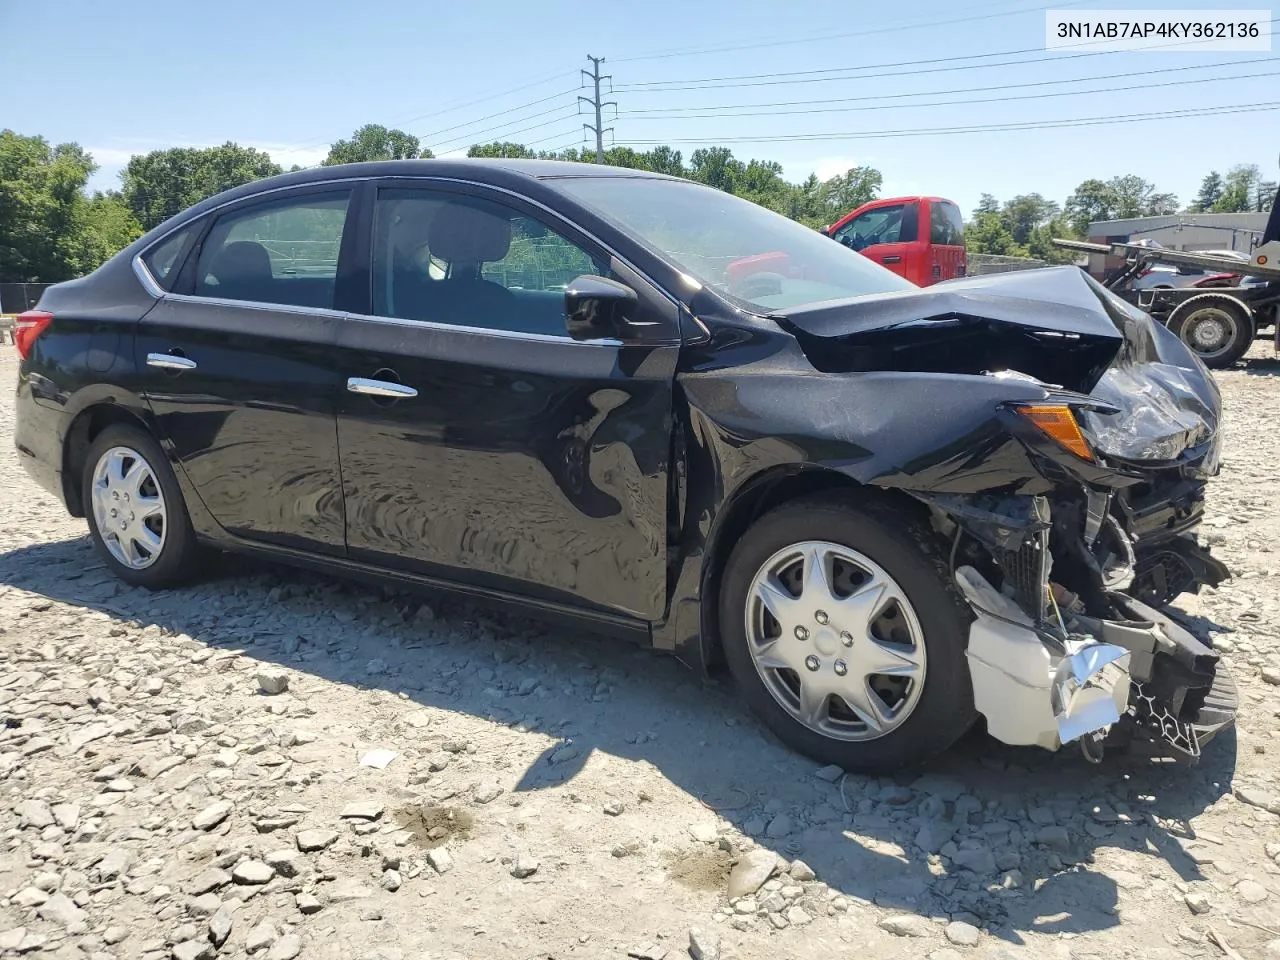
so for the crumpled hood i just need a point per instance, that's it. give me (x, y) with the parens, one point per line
(1056, 325)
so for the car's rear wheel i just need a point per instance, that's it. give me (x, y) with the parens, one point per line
(840, 628)
(137, 518)
(1218, 328)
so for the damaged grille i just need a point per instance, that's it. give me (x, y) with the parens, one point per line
(1026, 573)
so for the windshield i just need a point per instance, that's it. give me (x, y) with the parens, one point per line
(737, 248)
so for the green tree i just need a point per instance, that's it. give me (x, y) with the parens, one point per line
(163, 183)
(109, 227)
(504, 150)
(716, 167)
(1023, 214)
(664, 160)
(986, 204)
(375, 142)
(1210, 192)
(1040, 244)
(1264, 195)
(1092, 201)
(1239, 190)
(986, 233)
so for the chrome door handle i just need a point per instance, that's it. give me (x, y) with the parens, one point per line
(167, 361)
(380, 388)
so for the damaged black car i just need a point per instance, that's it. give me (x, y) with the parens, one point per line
(646, 405)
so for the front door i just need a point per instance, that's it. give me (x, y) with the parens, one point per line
(239, 369)
(479, 443)
(886, 234)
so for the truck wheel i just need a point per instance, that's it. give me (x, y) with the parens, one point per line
(1218, 328)
(844, 635)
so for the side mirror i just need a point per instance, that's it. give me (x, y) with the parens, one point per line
(825, 231)
(595, 308)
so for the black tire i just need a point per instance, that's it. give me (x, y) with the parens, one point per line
(1184, 320)
(909, 553)
(180, 555)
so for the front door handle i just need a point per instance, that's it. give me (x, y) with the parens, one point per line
(892, 259)
(380, 388)
(168, 361)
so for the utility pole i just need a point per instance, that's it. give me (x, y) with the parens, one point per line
(599, 129)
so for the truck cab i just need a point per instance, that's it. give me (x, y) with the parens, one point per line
(919, 238)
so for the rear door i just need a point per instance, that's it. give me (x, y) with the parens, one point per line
(946, 241)
(886, 234)
(240, 368)
(479, 443)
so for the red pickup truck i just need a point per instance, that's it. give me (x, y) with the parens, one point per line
(920, 238)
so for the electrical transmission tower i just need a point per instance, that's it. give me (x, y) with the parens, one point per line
(598, 105)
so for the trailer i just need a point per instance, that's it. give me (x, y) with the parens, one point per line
(1218, 323)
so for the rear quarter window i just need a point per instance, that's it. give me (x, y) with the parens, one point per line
(165, 258)
(946, 225)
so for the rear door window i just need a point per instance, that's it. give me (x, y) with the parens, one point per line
(946, 225)
(283, 252)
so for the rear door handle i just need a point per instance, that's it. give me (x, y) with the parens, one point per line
(167, 361)
(380, 388)
(892, 259)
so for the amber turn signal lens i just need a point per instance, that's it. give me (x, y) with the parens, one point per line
(1059, 423)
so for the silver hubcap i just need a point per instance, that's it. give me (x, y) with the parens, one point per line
(1210, 332)
(835, 640)
(128, 508)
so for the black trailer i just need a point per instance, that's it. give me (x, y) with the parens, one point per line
(1219, 323)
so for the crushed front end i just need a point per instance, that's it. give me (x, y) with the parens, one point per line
(1062, 441)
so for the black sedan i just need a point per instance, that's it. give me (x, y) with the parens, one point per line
(645, 403)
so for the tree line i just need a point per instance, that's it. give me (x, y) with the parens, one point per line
(52, 230)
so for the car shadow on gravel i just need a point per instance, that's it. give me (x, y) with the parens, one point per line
(1030, 838)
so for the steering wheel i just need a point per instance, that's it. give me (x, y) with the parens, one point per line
(760, 284)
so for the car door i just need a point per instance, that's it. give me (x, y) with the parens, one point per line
(886, 235)
(240, 368)
(480, 443)
(946, 241)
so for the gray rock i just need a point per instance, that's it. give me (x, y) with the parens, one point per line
(1053, 836)
(1271, 675)
(943, 788)
(751, 872)
(440, 860)
(287, 863)
(115, 864)
(212, 815)
(779, 827)
(830, 774)
(1041, 816)
(347, 891)
(979, 859)
(651, 951)
(220, 926)
(113, 935)
(391, 881)
(34, 813)
(308, 904)
(524, 866)
(272, 681)
(614, 809)
(61, 909)
(205, 905)
(194, 950)
(487, 792)
(963, 934)
(30, 897)
(1255, 797)
(704, 944)
(286, 948)
(312, 841)
(362, 810)
(1250, 891)
(564, 754)
(67, 815)
(207, 880)
(252, 872)
(933, 834)
(1272, 950)
(261, 937)
(801, 872)
(1198, 903)
(906, 925)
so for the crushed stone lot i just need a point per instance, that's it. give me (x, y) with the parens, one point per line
(274, 764)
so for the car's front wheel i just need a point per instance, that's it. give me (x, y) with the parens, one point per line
(137, 518)
(840, 628)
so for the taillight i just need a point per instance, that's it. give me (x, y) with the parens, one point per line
(1143, 274)
(1058, 423)
(30, 325)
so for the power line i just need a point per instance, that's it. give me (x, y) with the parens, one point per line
(815, 76)
(939, 93)
(504, 132)
(915, 24)
(955, 103)
(500, 113)
(987, 128)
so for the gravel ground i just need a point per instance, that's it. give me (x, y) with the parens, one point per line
(278, 765)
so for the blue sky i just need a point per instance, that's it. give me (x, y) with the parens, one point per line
(290, 76)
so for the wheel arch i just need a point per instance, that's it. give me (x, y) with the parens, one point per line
(87, 425)
(766, 491)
